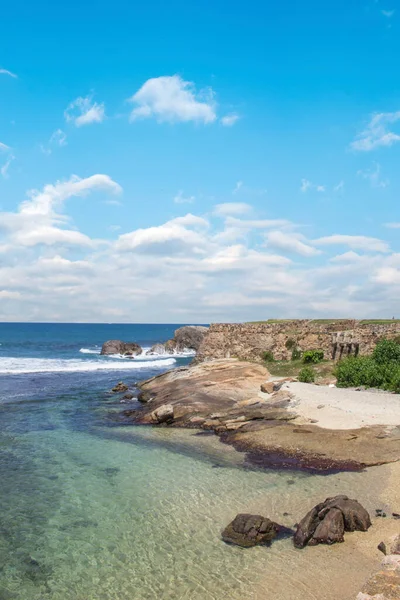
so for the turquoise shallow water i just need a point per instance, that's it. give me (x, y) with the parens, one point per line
(93, 509)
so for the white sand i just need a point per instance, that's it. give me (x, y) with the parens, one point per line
(344, 408)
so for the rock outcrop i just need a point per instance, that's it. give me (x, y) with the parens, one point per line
(120, 387)
(188, 337)
(327, 522)
(250, 530)
(119, 347)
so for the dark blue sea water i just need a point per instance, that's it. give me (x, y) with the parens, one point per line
(93, 508)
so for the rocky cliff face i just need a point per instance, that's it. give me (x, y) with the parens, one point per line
(249, 340)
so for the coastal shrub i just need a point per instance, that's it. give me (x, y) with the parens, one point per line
(290, 344)
(267, 356)
(313, 356)
(386, 351)
(307, 375)
(296, 354)
(365, 371)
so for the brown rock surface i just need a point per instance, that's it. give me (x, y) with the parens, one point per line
(327, 522)
(250, 530)
(119, 347)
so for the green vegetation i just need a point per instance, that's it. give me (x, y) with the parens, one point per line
(313, 356)
(381, 370)
(267, 356)
(296, 354)
(307, 375)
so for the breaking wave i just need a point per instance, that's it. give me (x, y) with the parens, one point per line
(54, 365)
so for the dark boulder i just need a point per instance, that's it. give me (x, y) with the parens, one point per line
(327, 522)
(356, 518)
(124, 348)
(250, 530)
(189, 337)
(120, 387)
(330, 530)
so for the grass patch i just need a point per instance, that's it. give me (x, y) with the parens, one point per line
(292, 368)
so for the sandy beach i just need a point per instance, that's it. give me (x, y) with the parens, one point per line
(338, 408)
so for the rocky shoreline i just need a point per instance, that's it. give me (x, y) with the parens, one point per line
(260, 416)
(225, 397)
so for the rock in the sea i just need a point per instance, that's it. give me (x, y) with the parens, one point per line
(327, 522)
(250, 530)
(189, 336)
(157, 349)
(118, 347)
(163, 414)
(120, 387)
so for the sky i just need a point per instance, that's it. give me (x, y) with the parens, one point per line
(199, 161)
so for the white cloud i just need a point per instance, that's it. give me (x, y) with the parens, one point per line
(172, 99)
(357, 242)
(84, 111)
(38, 220)
(4, 147)
(392, 225)
(185, 269)
(290, 243)
(307, 185)
(7, 72)
(181, 199)
(229, 120)
(378, 133)
(5, 167)
(232, 209)
(374, 176)
(388, 13)
(57, 138)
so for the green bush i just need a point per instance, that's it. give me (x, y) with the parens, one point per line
(313, 356)
(386, 351)
(267, 356)
(290, 344)
(296, 354)
(365, 371)
(307, 375)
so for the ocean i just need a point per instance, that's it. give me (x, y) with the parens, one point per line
(92, 508)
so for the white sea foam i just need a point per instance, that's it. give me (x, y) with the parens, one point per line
(90, 350)
(53, 365)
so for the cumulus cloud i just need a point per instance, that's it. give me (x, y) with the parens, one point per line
(38, 219)
(290, 242)
(172, 99)
(230, 120)
(378, 132)
(84, 111)
(191, 268)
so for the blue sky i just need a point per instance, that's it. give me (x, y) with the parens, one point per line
(190, 162)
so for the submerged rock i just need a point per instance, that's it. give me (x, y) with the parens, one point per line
(118, 347)
(327, 522)
(120, 387)
(250, 530)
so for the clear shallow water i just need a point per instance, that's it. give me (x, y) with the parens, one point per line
(91, 509)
